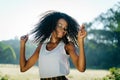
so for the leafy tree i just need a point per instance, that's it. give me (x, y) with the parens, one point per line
(104, 43)
(7, 53)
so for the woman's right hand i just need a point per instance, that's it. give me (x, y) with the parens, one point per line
(24, 39)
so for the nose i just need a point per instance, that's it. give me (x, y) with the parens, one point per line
(63, 29)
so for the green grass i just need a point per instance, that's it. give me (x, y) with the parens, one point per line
(13, 73)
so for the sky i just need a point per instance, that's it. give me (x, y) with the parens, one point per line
(18, 17)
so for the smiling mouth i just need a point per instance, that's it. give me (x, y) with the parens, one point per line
(60, 34)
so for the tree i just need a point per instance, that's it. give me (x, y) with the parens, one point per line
(104, 43)
(7, 54)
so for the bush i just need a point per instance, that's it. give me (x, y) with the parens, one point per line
(4, 77)
(114, 74)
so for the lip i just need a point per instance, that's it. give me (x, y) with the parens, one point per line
(60, 33)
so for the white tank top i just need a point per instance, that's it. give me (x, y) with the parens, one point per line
(53, 63)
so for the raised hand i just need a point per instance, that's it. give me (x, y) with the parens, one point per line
(24, 38)
(82, 32)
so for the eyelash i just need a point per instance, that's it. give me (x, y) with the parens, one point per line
(62, 28)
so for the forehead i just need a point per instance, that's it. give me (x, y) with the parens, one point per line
(62, 22)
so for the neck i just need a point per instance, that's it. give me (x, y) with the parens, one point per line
(54, 39)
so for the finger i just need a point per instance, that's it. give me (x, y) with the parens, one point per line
(82, 27)
(82, 31)
(25, 36)
(85, 33)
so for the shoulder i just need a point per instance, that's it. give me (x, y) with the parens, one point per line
(69, 46)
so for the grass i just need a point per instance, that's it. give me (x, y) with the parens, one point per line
(13, 73)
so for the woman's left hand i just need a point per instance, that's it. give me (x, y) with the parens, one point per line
(82, 33)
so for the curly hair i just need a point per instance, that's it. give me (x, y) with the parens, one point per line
(47, 25)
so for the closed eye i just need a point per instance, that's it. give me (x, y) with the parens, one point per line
(60, 26)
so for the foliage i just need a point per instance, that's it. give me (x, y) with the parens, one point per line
(4, 77)
(103, 44)
(7, 53)
(114, 74)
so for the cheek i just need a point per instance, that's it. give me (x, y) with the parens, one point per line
(58, 31)
(62, 33)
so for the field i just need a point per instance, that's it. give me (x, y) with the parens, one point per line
(13, 73)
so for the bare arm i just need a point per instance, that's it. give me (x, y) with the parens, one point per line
(26, 64)
(78, 60)
(81, 59)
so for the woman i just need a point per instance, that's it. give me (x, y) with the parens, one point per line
(57, 34)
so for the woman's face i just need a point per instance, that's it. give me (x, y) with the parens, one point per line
(61, 28)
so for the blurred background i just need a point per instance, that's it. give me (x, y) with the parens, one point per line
(102, 44)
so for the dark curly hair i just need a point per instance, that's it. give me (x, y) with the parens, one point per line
(48, 23)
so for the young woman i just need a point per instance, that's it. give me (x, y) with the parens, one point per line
(57, 34)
